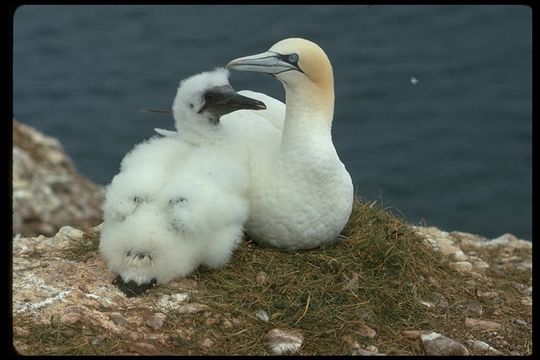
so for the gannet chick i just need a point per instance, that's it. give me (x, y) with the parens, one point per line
(179, 201)
(300, 193)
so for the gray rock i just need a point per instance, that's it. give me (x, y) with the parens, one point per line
(437, 344)
(156, 321)
(474, 307)
(483, 348)
(482, 325)
(366, 331)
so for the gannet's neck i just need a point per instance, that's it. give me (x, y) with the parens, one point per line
(308, 116)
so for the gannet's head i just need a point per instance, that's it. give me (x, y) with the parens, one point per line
(295, 62)
(205, 97)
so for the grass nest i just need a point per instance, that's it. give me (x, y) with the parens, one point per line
(377, 276)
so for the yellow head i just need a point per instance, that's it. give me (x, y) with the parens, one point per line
(296, 62)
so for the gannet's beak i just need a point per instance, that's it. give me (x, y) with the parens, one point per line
(221, 100)
(267, 62)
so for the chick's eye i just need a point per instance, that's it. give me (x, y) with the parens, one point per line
(138, 200)
(177, 200)
(293, 58)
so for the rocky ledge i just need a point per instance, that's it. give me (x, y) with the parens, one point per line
(62, 290)
(47, 190)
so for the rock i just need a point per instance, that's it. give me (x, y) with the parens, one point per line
(156, 321)
(483, 348)
(366, 331)
(412, 334)
(262, 315)
(281, 342)
(191, 308)
(262, 278)
(527, 301)
(462, 266)
(509, 243)
(437, 344)
(366, 352)
(480, 265)
(482, 325)
(490, 295)
(118, 319)
(171, 301)
(207, 343)
(440, 301)
(143, 348)
(474, 307)
(459, 256)
(47, 190)
(372, 348)
(520, 322)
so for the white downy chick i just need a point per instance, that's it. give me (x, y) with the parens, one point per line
(180, 201)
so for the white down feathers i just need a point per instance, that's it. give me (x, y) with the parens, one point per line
(178, 201)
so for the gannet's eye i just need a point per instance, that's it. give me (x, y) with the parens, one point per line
(191, 105)
(292, 58)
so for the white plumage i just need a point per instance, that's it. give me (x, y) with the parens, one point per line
(179, 201)
(300, 193)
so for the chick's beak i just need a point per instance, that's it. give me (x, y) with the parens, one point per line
(221, 100)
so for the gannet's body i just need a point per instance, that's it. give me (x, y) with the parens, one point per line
(300, 192)
(179, 201)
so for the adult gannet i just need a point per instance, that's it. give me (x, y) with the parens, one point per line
(300, 192)
(179, 201)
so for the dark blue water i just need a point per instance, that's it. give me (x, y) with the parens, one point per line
(433, 103)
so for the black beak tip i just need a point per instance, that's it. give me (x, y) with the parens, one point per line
(131, 288)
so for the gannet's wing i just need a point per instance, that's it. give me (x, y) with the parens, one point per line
(164, 132)
(275, 109)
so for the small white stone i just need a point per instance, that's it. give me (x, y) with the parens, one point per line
(372, 348)
(281, 342)
(262, 315)
(70, 232)
(427, 304)
(481, 265)
(459, 256)
(483, 347)
(171, 301)
(462, 266)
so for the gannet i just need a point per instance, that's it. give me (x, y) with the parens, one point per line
(300, 193)
(179, 201)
